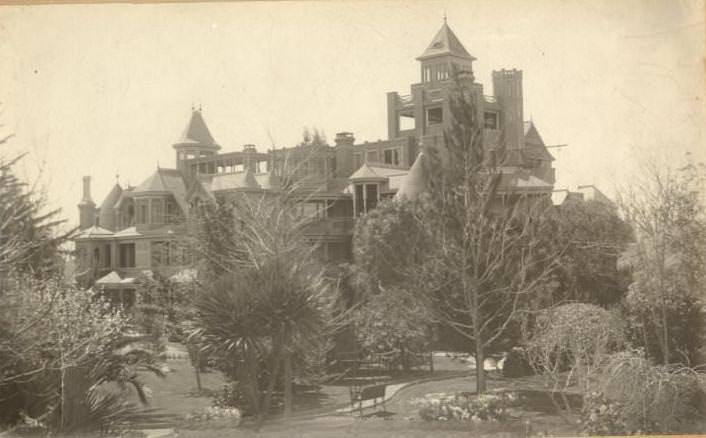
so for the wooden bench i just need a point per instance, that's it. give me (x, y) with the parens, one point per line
(360, 394)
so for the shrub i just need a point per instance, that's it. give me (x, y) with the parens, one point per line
(516, 364)
(637, 396)
(231, 396)
(464, 406)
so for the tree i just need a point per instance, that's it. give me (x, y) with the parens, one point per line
(592, 236)
(668, 262)
(30, 241)
(58, 344)
(487, 259)
(271, 303)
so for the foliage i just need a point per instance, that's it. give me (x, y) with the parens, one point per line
(272, 300)
(29, 238)
(391, 320)
(464, 406)
(601, 416)
(591, 235)
(668, 262)
(231, 414)
(313, 138)
(161, 307)
(516, 363)
(579, 336)
(636, 396)
(386, 241)
(49, 328)
(488, 260)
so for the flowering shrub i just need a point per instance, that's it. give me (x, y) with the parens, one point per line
(601, 416)
(464, 406)
(230, 397)
(233, 415)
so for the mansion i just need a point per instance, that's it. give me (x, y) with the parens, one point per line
(130, 232)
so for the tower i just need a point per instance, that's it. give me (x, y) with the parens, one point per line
(196, 141)
(424, 112)
(445, 55)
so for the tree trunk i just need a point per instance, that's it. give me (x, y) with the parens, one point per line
(480, 369)
(288, 381)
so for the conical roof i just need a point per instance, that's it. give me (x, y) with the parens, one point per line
(106, 218)
(415, 183)
(445, 42)
(196, 132)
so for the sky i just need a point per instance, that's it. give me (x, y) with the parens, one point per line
(105, 90)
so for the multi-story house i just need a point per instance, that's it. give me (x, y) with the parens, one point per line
(133, 229)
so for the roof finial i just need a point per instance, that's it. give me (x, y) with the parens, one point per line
(444, 16)
(117, 177)
(193, 107)
(157, 164)
(199, 106)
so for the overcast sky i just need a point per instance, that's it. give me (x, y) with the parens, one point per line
(102, 90)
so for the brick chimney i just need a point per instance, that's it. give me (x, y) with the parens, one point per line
(86, 208)
(344, 154)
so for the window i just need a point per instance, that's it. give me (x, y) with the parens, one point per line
(106, 258)
(392, 156)
(442, 72)
(371, 196)
(426, 74)
(434, 116)
(172, 212)
(142, 212)
(359, 201)
(371, 157)
(127, 255)
(313, 210)
(157, 211)
(490, 120)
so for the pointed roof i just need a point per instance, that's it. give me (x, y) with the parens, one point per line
(366, 172)
(415, 183)
(445, 42)
(110, 279)
(165, 181)
(197, 133)
(106, 216)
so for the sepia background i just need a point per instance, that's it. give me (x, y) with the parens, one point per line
(105, 90)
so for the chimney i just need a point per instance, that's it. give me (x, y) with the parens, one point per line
(86, 189)
(507, 86)
(86, 208)
(344, 154)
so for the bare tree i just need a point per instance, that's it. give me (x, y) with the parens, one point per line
(488, 260)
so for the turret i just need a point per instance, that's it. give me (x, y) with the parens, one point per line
(86, 208)
(196, 141)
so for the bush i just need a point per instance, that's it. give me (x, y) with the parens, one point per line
(636, 396)
(464, 406)
(231, 396)
(516, 364)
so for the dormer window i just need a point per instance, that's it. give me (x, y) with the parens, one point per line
(491, 120)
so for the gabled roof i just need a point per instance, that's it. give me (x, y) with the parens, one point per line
(445, 42)
(165, 181)
(415, 183)
(368, 172)
(234, 181)
(110, 279)
(94, 232)
(196, 132)
(128, 232)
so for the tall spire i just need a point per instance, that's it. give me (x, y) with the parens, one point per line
(196, 132)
